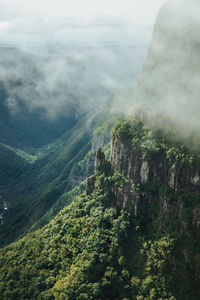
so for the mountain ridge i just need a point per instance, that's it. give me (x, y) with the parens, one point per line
(120, 232)
(130, 227)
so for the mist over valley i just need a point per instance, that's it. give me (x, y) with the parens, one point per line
(99, 150)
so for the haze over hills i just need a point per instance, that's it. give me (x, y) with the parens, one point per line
(169, 97)
(130, 227)
(65, 78)
(51, 102)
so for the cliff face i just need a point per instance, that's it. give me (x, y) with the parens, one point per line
(178, 177)
(95, 249)
(159, 183)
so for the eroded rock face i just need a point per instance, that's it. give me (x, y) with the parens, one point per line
(144, 172)
(195, 179)
(159, 180)
(100, 160)
(90, 184)
(99, 141)
(163, 195)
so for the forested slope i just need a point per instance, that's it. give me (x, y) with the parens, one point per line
(126, 237)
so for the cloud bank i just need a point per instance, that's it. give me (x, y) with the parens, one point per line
(168, 91)
(71, 54)
(59, 79)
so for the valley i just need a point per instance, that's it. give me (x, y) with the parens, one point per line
(100, 159)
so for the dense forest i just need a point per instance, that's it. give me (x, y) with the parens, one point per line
(100, 166)
(96, 249)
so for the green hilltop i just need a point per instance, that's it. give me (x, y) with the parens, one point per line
(99, 248)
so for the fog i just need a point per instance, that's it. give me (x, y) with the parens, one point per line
(58, 56)
(84, 59)
(58, 79)
(168, 89)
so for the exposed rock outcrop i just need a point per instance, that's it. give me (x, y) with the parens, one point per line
(100, 160)
(158, 178)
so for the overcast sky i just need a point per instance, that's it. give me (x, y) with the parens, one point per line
(35, 21)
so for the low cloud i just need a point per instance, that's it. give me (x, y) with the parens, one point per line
(58, 79)
(168, 91)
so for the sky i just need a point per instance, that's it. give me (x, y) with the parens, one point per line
(33, 21)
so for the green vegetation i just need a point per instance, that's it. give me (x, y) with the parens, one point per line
(64, 200)
(83, 254)
(94, 249)
(32, 189)
(117, 180)
(151, 142)
(34, 183)
(22, 154)
(12, 164)
(163, 208)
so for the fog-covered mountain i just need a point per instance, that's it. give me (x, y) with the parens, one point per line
(62, 78)
(168, 87)
(130, 227)
(51, 100)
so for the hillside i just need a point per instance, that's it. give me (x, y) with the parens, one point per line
(35, 187)
(51, 103)
(133, 234)
(108, 207)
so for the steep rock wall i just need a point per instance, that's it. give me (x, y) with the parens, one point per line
(153, 178)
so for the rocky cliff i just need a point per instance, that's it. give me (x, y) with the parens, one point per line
(155, 168)
(159, 183)
(132, 235)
